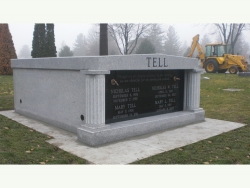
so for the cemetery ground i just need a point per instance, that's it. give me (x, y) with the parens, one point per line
(22, 145)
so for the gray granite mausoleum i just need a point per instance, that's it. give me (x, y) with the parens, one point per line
(104, 99)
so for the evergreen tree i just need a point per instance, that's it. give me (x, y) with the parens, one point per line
(205, 40)
(42, 34)
(35, 42)
(146, 47)
(43, 44)
(80, 45)
(7, 50)
(187, 51)
(65, 52)
(50, 41)
(156, 37)
(184, 48)
(24, 52)
(172, 44)
(39, 41)
(93, 41)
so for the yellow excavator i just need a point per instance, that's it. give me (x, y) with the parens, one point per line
(218, 58)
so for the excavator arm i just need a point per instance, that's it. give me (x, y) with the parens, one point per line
(196, 44)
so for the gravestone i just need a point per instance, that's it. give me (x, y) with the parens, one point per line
(109, 98)
(244, 74)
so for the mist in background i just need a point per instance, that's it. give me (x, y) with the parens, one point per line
(66, 34)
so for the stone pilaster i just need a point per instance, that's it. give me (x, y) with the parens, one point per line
(95, 97)
(192, 90)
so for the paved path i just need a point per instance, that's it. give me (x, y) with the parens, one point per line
(129, 150)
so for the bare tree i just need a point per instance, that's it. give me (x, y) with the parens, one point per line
(230, 33)
(112, 48)
(126, 35)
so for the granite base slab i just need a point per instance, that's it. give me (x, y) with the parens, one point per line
(94, 135)
(129, 150)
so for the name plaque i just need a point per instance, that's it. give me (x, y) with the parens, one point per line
(141, 93)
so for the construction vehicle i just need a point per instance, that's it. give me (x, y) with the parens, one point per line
(218, 58)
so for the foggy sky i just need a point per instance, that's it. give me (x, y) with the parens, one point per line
(22, 33)
(74, 11)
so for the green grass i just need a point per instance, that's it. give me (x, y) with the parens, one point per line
(6, 93)
(225, 105)
(228, 148)
(20, 145)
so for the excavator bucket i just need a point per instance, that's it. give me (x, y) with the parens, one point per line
(245, 63)
(239, 61)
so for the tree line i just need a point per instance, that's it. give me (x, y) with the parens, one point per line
(129, 38)
(123, 39)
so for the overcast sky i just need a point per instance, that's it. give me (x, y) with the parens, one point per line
(71, 17)
(22, 33)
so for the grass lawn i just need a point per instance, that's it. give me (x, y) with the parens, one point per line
(228, 148)
(6, 93)
(20, 145)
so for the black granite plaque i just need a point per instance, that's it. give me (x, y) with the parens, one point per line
(141, 93)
